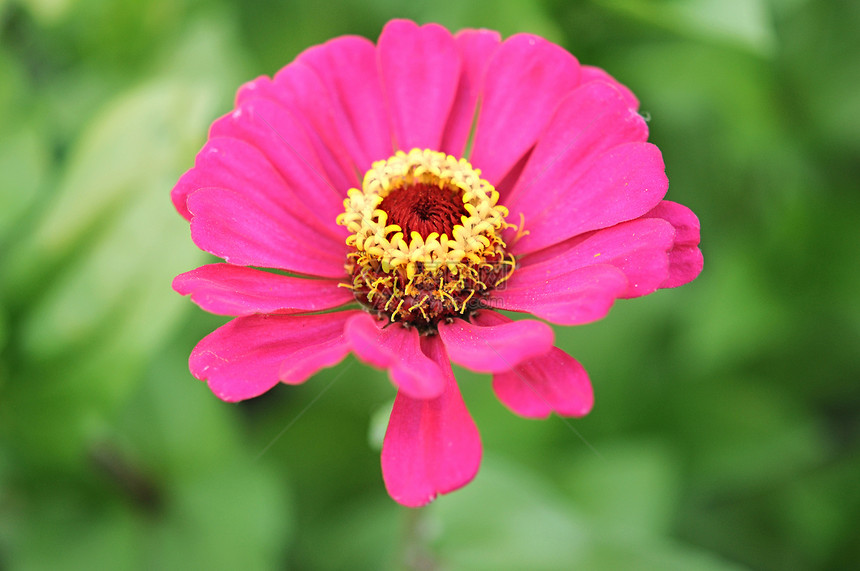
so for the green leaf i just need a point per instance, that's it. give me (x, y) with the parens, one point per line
(507, 519)
(49, 12)
(23, 168)
(744, 436)
(619, 554)
(205, 503)
(511, 17)
(632, 488)
(232, 517)
(109, 305)
(224, 508)
(90, 281)
(745, 23)
(756, 323)
(126, 160)
(364, 533)
(66, 533)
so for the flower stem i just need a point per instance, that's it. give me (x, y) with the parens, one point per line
(415, 552)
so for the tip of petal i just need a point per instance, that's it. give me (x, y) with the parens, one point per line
(432, 446)
(555, 382)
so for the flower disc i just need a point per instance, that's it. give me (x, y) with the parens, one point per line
(426, 239)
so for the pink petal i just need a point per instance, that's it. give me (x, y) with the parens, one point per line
(590, 73)
(432, 446)
(280, 138)
(255, 232)
(243, 358)
(311, 358)
(188, 183)
(554, 382)
(593, 119)
(420, 69)
(639, 248)
(685, 259)
(476, 47)
(564, 297)
(229, 163)
(401, 351)
(493, 347)
(347, 66)
(299, 90)
(622, 184)
(524, 83)
(226, 162)
(226, 289)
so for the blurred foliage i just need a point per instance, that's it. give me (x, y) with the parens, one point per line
(726, 433)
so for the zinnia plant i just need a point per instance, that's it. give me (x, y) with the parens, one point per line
(405, 191)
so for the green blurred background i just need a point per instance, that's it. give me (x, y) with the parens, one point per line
(727, 423)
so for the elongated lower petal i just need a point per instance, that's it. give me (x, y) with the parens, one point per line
(226, 289)
(400, 351)
(554, 382)
(432, 446)
(243, 359)
(491, 347)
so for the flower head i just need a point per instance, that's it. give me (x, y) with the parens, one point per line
(349, 171)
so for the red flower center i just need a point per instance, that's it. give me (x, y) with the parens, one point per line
(424, 208)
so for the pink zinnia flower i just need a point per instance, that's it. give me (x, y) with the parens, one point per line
(408, 189)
